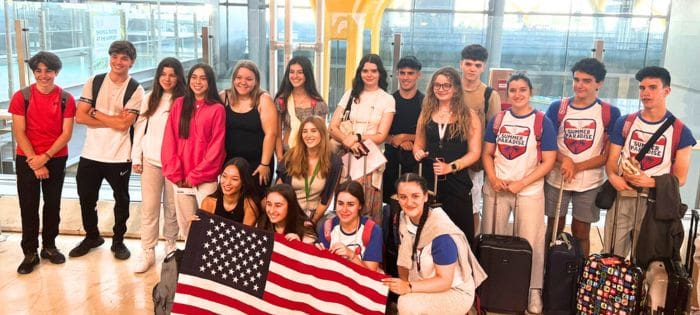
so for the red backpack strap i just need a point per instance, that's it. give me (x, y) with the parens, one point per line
(497, 121)
(539, 118)
(676, 140)
(605, 109)
(563, 107)
(629, 120)
(367, 232)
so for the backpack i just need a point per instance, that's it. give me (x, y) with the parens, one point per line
(366, 233)
(27, 94)
(676, 137)
(539, 117)
(487, 98)
(164, 291)
(130, 89)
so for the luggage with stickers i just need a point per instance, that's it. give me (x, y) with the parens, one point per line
(564, 262)
(610, 284)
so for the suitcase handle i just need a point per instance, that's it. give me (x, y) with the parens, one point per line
(692, 235)
(495, 207)
(558, 212)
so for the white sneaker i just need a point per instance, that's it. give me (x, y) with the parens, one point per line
(170, 246)
(147, 259)
(534, 305)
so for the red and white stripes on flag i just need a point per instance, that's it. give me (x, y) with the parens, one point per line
(228, 268)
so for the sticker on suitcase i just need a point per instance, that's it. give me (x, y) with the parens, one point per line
(608, 286)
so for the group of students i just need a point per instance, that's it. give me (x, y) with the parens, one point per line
(198, 147)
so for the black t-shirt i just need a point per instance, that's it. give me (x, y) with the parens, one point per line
(407, 112)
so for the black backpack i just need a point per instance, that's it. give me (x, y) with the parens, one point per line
(130, 89)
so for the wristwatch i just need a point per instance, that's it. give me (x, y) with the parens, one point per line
(453, 165)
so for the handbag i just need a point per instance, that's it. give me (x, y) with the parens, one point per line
(345, 127)
(605, 198)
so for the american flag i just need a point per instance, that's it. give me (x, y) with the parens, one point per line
(229, 268)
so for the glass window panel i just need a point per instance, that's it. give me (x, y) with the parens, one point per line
(400, 4)
(434, 4)
(534, 42)
(531, 6)
(472, 5)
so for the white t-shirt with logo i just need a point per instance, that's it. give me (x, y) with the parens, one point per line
(516, 147)
(106, 144)
(658, 160)
(581, 136)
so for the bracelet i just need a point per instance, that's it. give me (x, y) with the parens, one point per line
(49, 155)
(359, 137)
(265, 165)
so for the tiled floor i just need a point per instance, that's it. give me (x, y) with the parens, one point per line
(93, 284)
(96, 283)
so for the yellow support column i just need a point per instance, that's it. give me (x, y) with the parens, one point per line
(346, 20)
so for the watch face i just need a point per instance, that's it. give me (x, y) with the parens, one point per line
(454, 166)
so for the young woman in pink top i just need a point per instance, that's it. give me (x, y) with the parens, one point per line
(193, 143)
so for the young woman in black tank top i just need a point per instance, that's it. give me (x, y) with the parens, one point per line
(236, 197)
(449, 136)
(251, 122)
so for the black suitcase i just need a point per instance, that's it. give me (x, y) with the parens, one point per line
(507, 261)
(563, 266)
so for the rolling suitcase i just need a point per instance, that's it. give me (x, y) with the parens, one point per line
(610, 284)
(564, 262)
(507, 261)
(668, 283)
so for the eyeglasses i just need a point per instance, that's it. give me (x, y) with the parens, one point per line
(442, 86)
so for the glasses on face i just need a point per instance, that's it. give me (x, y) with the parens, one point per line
(442, 86)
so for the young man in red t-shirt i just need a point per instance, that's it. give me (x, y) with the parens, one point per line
(42, 126)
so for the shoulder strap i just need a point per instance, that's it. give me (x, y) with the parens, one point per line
(64, 100)
(96, 85)
(539, 117)
(647, 146)
(605, 109)
(130, 89)
(367, 232)
(677, 130)
(487, 98)
(629, 120)
(26, 93)
(563, 107)
(497, 121)
(348, 108)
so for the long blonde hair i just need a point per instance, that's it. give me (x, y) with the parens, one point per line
(296, 159)
(256, 92)
(460, 110)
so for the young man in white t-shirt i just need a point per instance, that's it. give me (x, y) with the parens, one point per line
(583, 123)
(473, 64)
(667, 156)
(107, 149)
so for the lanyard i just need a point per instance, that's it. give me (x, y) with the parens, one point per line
(307, 183)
